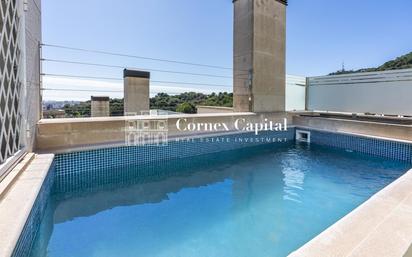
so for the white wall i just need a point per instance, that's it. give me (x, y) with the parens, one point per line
(295, 93)
(32, 107)
(388, 92)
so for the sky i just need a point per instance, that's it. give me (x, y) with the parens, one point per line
(321, 35)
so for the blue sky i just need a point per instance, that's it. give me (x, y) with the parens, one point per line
(320, 36)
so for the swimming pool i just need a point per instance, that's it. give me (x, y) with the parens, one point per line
(265, 200)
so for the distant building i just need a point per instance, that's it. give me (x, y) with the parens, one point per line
(54, 105)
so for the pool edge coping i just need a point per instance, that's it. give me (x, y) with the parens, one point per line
(368, 230)
(18, 202)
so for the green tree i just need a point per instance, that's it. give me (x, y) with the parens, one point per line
(186, 108)
(116, 107)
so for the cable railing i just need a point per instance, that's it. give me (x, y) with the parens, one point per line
(138, 57)
(119, 79)
(145, 69)
(68, 94)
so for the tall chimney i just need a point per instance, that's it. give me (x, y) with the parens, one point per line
(259, 55)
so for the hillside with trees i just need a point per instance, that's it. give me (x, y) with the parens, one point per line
(185, 102)
(402, 62)
(174, 103)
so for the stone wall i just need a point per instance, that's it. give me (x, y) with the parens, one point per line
(60, 135)
(213, 109)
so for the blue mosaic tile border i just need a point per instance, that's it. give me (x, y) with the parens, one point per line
(69, 163)
(78, 169)
(27, 236)
(84, 182)
(378, 147)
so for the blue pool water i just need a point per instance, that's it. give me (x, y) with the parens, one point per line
(260, 201)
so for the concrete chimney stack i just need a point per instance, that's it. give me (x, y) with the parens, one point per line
(100, 106)
(259, 55)
(136, 91)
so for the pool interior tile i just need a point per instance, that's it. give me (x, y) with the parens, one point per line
(71, 170)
